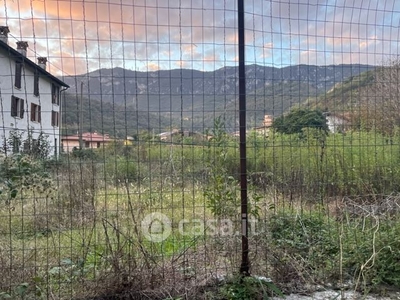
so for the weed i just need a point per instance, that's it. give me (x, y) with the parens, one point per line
(249, 288)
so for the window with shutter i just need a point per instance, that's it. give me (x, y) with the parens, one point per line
(21, 108)
(17, 107)
(55, 94)
(16, 144)
(33, 118)
(35, 113)
(36, 83)
(18, 74)
(54, 118)
(14, 106)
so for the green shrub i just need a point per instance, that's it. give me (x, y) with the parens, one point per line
(371, 254)
(317, 246)
(122, 170)
(20, 173)
(86, 154)
(308, 237)
(298, 119)
(248, 288)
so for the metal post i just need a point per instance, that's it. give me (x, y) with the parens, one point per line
(245, 266)
(81, 119)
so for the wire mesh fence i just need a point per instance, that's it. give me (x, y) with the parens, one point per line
(120, 168)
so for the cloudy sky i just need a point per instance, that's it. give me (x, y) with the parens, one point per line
(79, 36)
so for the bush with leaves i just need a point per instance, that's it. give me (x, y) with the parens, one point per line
(221, 191)
(247, 288)
(21, 173)
(37, 147)
(23, 170)
(298, 119)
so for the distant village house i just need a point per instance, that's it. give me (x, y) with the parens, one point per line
(265, 127)
(337, 123)
(262, 130)
(90, 140)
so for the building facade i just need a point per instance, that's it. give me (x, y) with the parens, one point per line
(30, 97)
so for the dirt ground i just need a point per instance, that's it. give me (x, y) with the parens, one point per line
(337, 295)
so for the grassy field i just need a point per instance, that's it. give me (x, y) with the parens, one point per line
(324, 211)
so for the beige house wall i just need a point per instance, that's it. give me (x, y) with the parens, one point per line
(68, 146)
(94, 144)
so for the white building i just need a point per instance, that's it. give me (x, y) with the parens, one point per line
(337, 123)
(30, 98)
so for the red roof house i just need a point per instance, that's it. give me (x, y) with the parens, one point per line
(90, 140)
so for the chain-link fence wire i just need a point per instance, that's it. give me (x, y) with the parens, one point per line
(120, 150)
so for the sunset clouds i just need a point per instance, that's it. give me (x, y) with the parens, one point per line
(81, 36)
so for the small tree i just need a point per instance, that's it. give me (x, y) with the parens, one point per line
(220, 193)
(38, 147)
(298, 119)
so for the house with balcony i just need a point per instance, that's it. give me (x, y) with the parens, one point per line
(30, 99)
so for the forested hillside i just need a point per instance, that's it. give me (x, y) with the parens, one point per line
(370, 100)
(105, 117)
(192, 99)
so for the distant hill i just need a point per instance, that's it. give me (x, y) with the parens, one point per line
(105, 117)
(193, 99)
(370, 100)
(344, 96)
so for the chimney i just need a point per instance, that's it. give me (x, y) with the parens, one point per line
(22, 47)
(42, 62)
(4, 31)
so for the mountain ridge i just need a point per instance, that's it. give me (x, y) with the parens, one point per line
(192, 98)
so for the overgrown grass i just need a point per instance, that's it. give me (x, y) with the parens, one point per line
(82, 236)
(356, 163)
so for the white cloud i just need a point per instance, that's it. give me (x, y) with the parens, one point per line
(160, 33)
